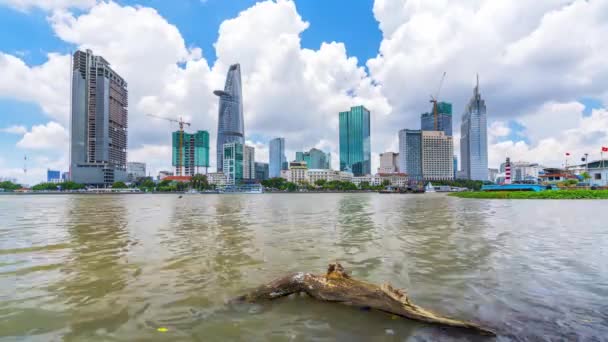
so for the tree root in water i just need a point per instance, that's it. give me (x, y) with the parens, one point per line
(337, 286)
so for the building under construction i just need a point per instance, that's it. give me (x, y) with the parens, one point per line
(444, 119)
(193, 154)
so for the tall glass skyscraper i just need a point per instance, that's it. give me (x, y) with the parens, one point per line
(230, 124)
(474, 138)
(278, 161)
(233, 163)
(410, 153)
(315, 159)
(355, 149)
(98, 139)
(194, 152)
(444, 119)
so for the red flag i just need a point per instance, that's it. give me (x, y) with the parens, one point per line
(567, 153)
(604, 149)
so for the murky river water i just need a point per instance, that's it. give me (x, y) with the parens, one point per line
(118, 267)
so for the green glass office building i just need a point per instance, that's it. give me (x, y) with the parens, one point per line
(315, 159)
(233, 163)
(194, 152)
(355, 147)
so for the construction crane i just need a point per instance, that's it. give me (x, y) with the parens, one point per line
(434, 100)
(180, 157)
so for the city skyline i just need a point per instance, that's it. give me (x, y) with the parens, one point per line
(176, 78)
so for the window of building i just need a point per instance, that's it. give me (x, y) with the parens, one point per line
(597, 176)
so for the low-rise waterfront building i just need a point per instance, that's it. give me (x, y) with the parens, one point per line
(296, 173)
(523, 171)
(163, 174)
(216, 178)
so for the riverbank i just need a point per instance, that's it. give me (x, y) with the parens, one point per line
(558, 194)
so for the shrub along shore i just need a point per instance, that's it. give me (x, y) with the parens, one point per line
(549, 194)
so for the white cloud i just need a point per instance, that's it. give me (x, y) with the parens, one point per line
(15, 129)
(527, 75)
(25, 5)
(498, 129)
(156, 157)
(587, 136)
(51, 136)
(527, 53)
(48, 84)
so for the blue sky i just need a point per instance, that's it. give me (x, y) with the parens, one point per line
(538, 105)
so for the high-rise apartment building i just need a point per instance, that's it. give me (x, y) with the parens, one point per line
(389, 162)
(261, 171)
(455, 165)
(474, 138)
(278, 161)
(410, 153)
(437, 156)
(355, 149)
(315, 159)
(194, 153)
(444, 119)
(248, 162)
(98, 143)
(230, 124)
(232, 158)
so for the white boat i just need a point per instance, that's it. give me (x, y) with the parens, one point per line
(429, 188)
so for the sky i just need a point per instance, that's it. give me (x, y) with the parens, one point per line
(542, 70)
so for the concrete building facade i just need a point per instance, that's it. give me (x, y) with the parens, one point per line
(233, 163)
(389, 162)
(248, 162)
(437, 156)
(99, 117)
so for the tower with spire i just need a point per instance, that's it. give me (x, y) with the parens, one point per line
(474, 138)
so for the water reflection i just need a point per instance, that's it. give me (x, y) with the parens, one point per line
(96, 270)
(117, 267)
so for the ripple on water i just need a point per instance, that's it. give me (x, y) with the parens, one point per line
(120, 267)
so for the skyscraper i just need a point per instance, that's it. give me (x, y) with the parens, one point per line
(261, 171)
(98, 142)
(230, 124)
(410, 153)
(278, 161)
(355, 150)
(194, 152)
(474, 138)
(233, 162)
(248, 162)
(315, 159)
(444, 119)
(437, 156)
(389, 162)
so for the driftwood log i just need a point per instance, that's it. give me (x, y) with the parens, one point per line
(337, 286)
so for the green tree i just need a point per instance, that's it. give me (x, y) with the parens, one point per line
(386, 182)
(199, 182)
(320, 182)
(585, 176)
(275, 183)
(119, 185)
(291, 187)
(9, 186)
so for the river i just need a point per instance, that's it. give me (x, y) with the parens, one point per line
(119, 267)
